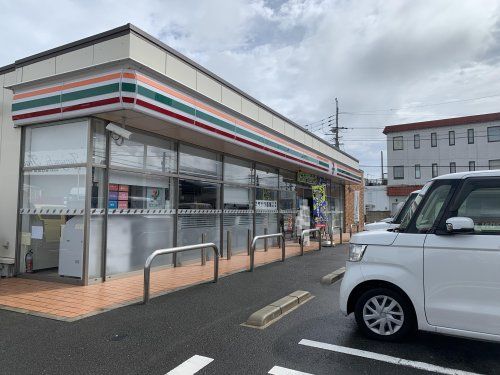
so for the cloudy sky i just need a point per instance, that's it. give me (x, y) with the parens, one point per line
(388, 61)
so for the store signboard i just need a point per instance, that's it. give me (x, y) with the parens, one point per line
(266, 205)
(356, 206)
(307, 178)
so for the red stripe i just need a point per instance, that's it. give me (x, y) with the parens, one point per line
(221, 132)
(127, 99)
(45, 112)
(97, 103)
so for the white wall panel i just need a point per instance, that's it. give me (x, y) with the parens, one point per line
(249, 109)
(208, 87)
(147, 53)
(40, 69)
(111, 50)
(78, 59)
(231, 99)
(181, 72)
(265, 117)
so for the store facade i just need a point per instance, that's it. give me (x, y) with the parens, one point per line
(185, 164)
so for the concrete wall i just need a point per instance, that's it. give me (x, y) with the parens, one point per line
(160, 60)
(10, 141)
(461, 153)
(376, 198)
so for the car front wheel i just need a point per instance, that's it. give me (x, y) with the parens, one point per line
(384, 314)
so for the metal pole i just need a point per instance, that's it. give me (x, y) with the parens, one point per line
(249, 241)
(229, 251)
(282, 239)
(320, 240)
(265, 240)
(302, 243)
(203, 257)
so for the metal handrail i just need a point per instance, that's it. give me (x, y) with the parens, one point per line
(303, 234)
(254, 242)
(175, 250)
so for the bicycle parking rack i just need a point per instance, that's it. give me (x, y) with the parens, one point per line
(266, 236)
(307, 231)
(175, 250)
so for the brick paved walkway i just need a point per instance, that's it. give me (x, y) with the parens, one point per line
(70, 302)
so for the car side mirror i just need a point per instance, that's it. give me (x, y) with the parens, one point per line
(459, 225)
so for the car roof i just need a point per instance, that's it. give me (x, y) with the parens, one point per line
(462, 175)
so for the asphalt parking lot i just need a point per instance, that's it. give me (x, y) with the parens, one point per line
(199, 328)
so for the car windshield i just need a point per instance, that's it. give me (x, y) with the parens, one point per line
(401, 213)
(412, 207)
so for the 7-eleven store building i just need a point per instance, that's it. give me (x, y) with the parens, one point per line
(83, 202)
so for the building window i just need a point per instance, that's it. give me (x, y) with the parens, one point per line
(434, 141)
(453, 167)
(494, 134)
(416, 141)
(397, 143)
(417, 171)
(434, 170)
(495, 164)
(470, 136)
(451, 137)
(399, 172)
(472, 166)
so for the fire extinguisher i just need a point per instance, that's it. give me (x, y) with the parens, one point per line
(28, 259)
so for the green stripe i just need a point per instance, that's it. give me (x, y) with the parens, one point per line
(349, 174)
(223, 124)
(128, 87)
(94, 91)
(49, 100)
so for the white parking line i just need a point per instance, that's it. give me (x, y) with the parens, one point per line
(277, 370)
(385, 358)
(191, 366)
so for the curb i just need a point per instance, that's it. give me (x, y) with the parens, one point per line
(333, 277)
(275, 310)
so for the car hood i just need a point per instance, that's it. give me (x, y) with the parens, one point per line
(379, 225)
(376, 237)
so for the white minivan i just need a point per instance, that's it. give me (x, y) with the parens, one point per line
(439, 271)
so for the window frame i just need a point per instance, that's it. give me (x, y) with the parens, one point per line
(417, 168)
(451, 138)
(488, 133)
(416, 141)
(432, 170)
(497, 161)
(398, 138)
(433, 139)
(473, 163)
(394, 172)
(470, 136)
(453, 167)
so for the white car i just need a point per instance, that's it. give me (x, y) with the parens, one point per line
(393, 222)
(439, 272)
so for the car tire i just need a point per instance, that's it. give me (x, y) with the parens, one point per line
(385, 314)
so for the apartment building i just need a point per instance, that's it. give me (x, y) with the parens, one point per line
(417, 152)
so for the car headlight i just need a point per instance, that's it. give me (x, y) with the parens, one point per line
(356, 252)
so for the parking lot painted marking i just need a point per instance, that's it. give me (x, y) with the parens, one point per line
(277, 370)
(385, 358)
(191, 366)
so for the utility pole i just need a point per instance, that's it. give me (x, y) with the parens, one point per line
(337, 123)
(382, 165)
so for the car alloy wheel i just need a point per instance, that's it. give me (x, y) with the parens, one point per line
(383, 315)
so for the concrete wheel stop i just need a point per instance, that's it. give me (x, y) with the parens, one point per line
(333, 277)
(269, 314)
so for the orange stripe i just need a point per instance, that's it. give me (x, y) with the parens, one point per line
(67, 86)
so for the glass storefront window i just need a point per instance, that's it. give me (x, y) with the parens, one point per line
(98, 141)
(199, 162)
(52, 215)
(238, 216)
(266, 216)
(56, 144)
(287, 180)
(145, 153)
(199, 213)
(266, 176)
(140, 220)
(238, 171)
